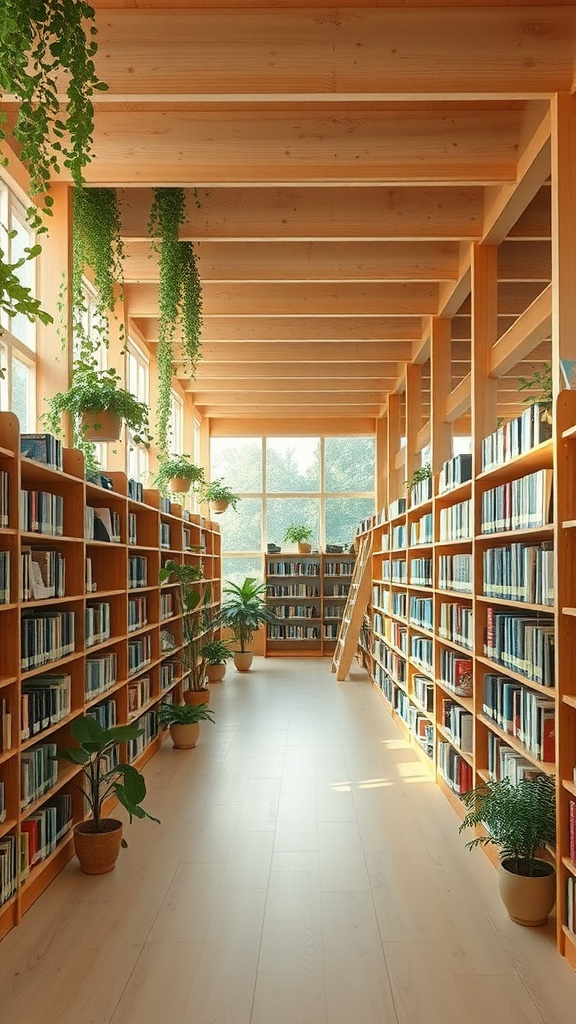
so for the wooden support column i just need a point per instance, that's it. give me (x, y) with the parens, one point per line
(381, 462)
(440, 387)
(393, 445)
(54, 366)
(153, 377)
(484, 391)
(116, 358)
(563, 234)
(413, 417)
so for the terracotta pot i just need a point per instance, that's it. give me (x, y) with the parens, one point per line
(184, 737)
(527, 900)
(101, 425)
(196, 697)
(98, 851)
(219, 506)
(216, 673)
(243, 660)
(180, 484)
(303, 548)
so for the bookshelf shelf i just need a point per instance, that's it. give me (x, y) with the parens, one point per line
(86, 563)
(539, 457)
(569, 786)
(569, 700)
(541, 609)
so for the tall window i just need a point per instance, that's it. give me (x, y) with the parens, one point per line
(18, 344)
(325, 483)
(138, 383)
(176, 427)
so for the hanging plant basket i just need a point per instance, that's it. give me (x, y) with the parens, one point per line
(180, 484)
(101, 425)
(217, 507)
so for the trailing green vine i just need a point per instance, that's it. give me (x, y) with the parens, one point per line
(179, 299)
(97, 243)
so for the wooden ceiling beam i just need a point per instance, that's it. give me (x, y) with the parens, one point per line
(524, 335)
(299, 399)
(314, 411)
(306, 352)
(203, 148)
(302, 328)
(505, 205)
(525, 261)
(223, 425)
(257, 375)
(266, 53)
(306, 261)
(280, 299)
(288, 385)
(322, 212)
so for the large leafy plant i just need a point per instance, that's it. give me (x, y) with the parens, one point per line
(244, 610)
(177, 466)
(103, 777)
(519, 819)
(184, 714)
(97, 244)
(179, 298)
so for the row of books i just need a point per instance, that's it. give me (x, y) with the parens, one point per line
(517, 436)
(295, 611)
(43, 830)
(293, 569)
(421, 652)
(132, 528)
(5, 725)
(418, 724)
(421, 572)
(149, 724)
(91, 584)
(139, 694)
(104, 713)
(42, 512)
(420, 492)
(167, 674)
(421, 532)
(422, 611)
(137, 571)
(521, 504)
(138, 611)
(338, 568)
(100, 674)
(454, 472)
(293, 590)
(38, 772)
(456, 623)
(4, 577)
(45, 700)
(522, 713)
(424, 692)
(4, 499)
(336, 589)
(43, 573)
(44, 448)
(571, 904)
(456, 521)
(330, 631)
(139, 653)
(456, 673)
(454, 768)
(392, 663)
(398, 537)
(455, 573)
(166, 606)
(9, 861)
(397, 634)
(521, 644)
(46, 637)
(98, 623)
(458, 723)
(102, 524)
(165, 541)
(520, 572)
(135, 490)
(293, 633)
(506, 763)
(333, 611)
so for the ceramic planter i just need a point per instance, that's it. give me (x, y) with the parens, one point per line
(101, 425)
(527, 900)
(184, 737)
(216, 673)
(180, 484)
(218, 506)
(243, 660)
(196, 697)
(304, 548)
(98, 851)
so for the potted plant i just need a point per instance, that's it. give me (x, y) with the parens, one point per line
(521, 821)
(216, 654)
(177, 473)
(299, 534)
(243, 612)
(183, 720)
(218, 496)
(97, 841)
(98, 404)
(194, 597)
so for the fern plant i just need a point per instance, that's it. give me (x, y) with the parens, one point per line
(97, 244)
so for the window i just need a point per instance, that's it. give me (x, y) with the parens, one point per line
(138, 383)
(176, 425)
(327, 483)
(18, 346)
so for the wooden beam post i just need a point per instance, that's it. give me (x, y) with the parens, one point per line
(413, 417)
(440, 386)
(563, 234)
(393, 444)
(484, 389)
(54, 286)
(381, 462)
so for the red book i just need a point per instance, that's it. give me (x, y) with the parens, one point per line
(490, 633)
(463, 677)
(549, 736)
(31, 827)
(572, 816)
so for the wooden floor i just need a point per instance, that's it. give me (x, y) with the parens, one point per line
(306, 871)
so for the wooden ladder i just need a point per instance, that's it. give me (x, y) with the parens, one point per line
(356, 604)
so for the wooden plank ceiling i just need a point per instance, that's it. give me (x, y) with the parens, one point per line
(339, 163)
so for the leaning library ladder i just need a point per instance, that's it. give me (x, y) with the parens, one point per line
(356, 604)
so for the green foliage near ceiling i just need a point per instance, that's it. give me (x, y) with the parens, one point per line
(180, 299)
(97, 244)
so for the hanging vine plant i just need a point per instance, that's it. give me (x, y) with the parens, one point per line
(97, 244)
(47, 47)
(180, 299)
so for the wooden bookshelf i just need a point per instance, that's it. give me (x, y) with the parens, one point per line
(317, 587)
(132, 620)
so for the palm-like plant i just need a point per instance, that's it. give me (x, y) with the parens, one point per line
(520, 820)
(194, 597)
(244, 610)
